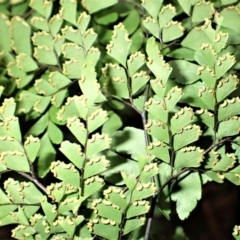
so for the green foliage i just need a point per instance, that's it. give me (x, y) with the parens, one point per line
(75, 81)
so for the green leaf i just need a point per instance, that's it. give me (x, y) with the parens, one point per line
(185, 5)
(229, 108)
(8, 108)
(113, 123)
(158, 109)
(92, 185)
(190, 187)
(152, 7)
(54, 133)
(39, 127)
(229, 127)
(186, 135)
(45, 55)
(97, 144)
(105, 228)
(172, 31)
(69, 10)
(158, 130)
(233, 175)
(223, 64)
(39, 23)
(129, 180)
(107, 209)
(207, 75)
(207, 95)
(47, 154)
(5, 42)
(188, 157)
(206, 117)
(32, 146)
(120, 44)
(73, 152)
(20, 34)
(143, 190)
(138, 208)
(23, 192)
(129, 141)
(132, 224)
(66, 172)
(184, 72)
(226, 162)
(206, 56)
(95, 166)
(173, 96)
(118, 82)
(230, 17)
(152, 26)
(139, 81)
(49, 209)
(181, 119)
(167, 13)
(26, 63)
(78, 129)
(92, 7)
(135, 62)
(155, 63)
(226, 86)
(96, 119)
(159, 150)
(54, 24)
(41, 6)
(202, 10)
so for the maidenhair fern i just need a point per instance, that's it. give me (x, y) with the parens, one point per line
(73, 76)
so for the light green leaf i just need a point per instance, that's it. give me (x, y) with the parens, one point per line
(129, 141)
(105, 228)
(107, 209)
(223, 64)
(184, 72)
(78, 129)
(233, 175)
(152, 7)
(69, 11)
(54, 133)
(96, 119)
(226, 86)
(190, 187)
(207, 95)
(120, 44)
(55, 23)
(45, 55)
(229, 127)
(47, 154)
(155, 63)
(32, 146)
(188, 157)
(202, 10)
(206, 117)
(229, 108)
(92, 6)
(73, 152)
(185, 5)
(66, 173)
(172, 31)
(20, 34)
(5, 42)
(152, 26)
(135, 62)
(181, 119)
(97, 144)
(95, 166)
(42, 6)
(158, 130)
(139, 81)
(92, 185)
(186, 135)
(159, 150)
